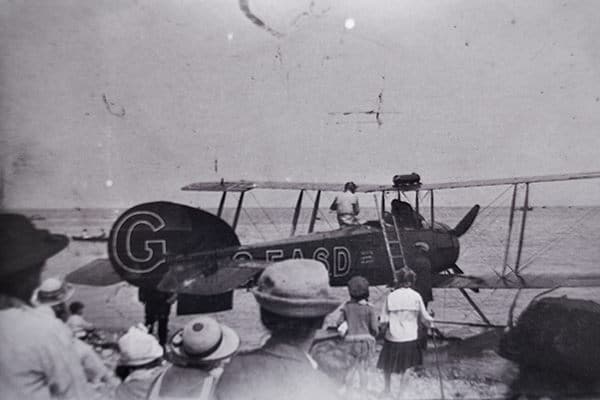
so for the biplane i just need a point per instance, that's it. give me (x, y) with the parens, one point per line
(177, 248)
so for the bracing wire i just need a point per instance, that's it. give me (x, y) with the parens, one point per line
(254, 225)
(323, 216)
(490, 212)
(265, 213)
(559, 236)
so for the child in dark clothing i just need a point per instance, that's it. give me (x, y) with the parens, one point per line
(362, 327)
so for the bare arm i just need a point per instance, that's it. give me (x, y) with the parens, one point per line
(342, 317)
(374, 325)
(425, 317)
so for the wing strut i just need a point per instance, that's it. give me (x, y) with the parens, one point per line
(510, 226)
(432, 207)
(475, 306)
(315, 210)
(297, 213)
(522, 234)
(237, 211)
(221, 204)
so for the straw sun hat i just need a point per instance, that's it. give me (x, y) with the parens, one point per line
(138, 347)
(296, 288)
(203, 340)
(23, 246)
(51, 292)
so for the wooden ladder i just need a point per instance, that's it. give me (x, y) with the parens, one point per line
(394, 247)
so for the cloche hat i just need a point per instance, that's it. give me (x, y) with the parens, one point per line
(296, 288)
(23, 246)
(358, 287)
(138, 347)
(201, 341)
(51, 292)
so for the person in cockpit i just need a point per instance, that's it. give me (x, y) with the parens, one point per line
(404, 214)
(346, 206)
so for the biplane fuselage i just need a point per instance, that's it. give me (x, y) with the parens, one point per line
(355, 250)
(153, 240)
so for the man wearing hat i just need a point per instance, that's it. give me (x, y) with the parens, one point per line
(346, 206)
(38, 360)
(52, 295)
(140, 363)
(197, 353)
(294, 298)
(422, 267)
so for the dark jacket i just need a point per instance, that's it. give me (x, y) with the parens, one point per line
(276, 371)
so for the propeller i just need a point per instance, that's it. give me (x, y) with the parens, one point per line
(465, 223)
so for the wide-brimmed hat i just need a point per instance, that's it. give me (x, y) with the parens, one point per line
(51, 292)
(296, 288)
(23, 246)
(138, 347)
(202, 340)
(358, 287)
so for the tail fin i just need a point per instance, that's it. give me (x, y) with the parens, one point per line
(144, 236)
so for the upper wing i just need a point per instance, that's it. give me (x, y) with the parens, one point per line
(524, 281)
(242, 186)
(511, 181)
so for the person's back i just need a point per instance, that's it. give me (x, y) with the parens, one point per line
(404, 307)
(346, 203)
(38, 358)
(294, 298)
(346, 206)
(183, 383)
(275, 372)
(138, 383)
(198, 353)
(361, 318)
(140, 362)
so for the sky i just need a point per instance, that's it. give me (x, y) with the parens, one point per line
(110, 103)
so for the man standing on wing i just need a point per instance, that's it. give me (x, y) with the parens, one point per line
(346, 206)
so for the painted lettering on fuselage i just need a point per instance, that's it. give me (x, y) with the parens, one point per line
(148, 254)
(337, 260)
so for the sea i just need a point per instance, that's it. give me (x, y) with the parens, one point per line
(556, 240)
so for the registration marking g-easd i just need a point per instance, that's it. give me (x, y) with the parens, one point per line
(139, 218)
(337, 260)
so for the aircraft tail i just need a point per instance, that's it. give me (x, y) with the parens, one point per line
(463, 226)
(145, 238)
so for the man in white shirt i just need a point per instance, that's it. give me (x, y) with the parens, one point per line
(346, 206)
